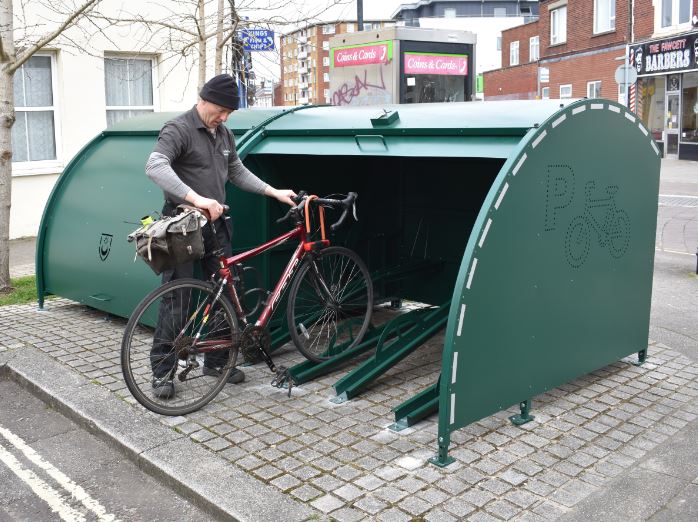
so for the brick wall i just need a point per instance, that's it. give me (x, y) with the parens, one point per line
(511, 83)
(644, 19)
(580, 28)
(522, 33)
(579, 70)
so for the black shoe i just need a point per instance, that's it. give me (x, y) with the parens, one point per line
(163, 388)
(236, 377)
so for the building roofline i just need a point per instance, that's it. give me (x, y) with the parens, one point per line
(344, 21)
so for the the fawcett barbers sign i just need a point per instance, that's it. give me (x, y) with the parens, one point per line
(679, 53)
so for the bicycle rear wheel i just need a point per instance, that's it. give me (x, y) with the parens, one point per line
(169, 337)
(330, 303)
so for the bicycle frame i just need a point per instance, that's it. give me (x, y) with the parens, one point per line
(299, 253)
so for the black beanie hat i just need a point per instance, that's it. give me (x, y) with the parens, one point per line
(222, 91)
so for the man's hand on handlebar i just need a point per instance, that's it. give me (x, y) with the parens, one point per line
(212, 208)
(345, 205)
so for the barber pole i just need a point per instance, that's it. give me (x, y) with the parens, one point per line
(631, 95)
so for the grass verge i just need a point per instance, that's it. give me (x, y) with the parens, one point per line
(24, 291)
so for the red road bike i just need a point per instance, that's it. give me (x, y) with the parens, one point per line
(329, 309)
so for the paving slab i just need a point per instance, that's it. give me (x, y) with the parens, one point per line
(305, 455)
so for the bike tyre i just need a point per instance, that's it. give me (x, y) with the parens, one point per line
(136, 366)
(619, 237)
(578, 241)
(304, 303)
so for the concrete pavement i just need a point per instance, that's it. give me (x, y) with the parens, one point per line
(612, 445)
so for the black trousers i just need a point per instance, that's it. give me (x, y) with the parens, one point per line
(162, 356)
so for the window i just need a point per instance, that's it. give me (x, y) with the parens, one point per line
(34, 133)
(350, 28)
(326, 77)
(499, 43)
(326, 92)
(326, 45)
(500, 11)
(565, 91)
(328, 29)
(689, 102)
(326, 61)
(533, 49)
(594, 89)
(129, 88)
(369, 27)
(449, 13)
(675, 12)
(514, 53)
(558, 25)
(604, 15)
(545, 93)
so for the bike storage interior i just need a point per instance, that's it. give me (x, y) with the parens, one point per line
(527, 225)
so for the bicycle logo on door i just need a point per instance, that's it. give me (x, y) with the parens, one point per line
(601, 221)
(602, 217)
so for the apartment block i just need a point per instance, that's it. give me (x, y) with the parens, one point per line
(305, 60)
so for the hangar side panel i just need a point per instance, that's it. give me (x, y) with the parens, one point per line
(556, 279)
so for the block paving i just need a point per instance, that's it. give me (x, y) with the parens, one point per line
(343, 461)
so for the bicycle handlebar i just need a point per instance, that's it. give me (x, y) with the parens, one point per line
(345, 204)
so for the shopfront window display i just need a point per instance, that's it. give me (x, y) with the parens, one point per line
(689, 103)
(650, 107)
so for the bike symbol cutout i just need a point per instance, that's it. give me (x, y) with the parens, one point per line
(601, 215)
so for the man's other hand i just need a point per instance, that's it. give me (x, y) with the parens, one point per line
(283, 195)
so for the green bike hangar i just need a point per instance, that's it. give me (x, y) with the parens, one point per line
(529, 226)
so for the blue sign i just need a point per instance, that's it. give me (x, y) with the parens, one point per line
(257, 39)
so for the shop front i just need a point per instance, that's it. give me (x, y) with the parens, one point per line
(667, 92)
(402, 65)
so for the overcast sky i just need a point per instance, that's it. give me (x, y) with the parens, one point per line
(266, 64)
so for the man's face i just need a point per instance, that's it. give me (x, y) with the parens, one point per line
(213, 115)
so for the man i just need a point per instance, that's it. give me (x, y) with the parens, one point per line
(192, 160)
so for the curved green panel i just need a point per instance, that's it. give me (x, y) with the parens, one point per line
(556, 279)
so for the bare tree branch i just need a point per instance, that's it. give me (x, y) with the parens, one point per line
(42, 42)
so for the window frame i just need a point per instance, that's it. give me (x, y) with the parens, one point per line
(545, 93)
(593, 83)
(329, 29)
(558, 39)
(675, 24)
(611, 4)
(514, 53)
(326, 77)
(531, 58)
(325, 61)
(565, 86)
(153, 82)
(450, 12)
(49, 165)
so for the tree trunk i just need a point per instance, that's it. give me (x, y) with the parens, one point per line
(219, 37)
(7, 119)
(201, 23)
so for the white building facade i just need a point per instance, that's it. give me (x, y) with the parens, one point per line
(72, 90)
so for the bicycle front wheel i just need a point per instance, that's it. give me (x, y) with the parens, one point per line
(179, 347)
(330, 303)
